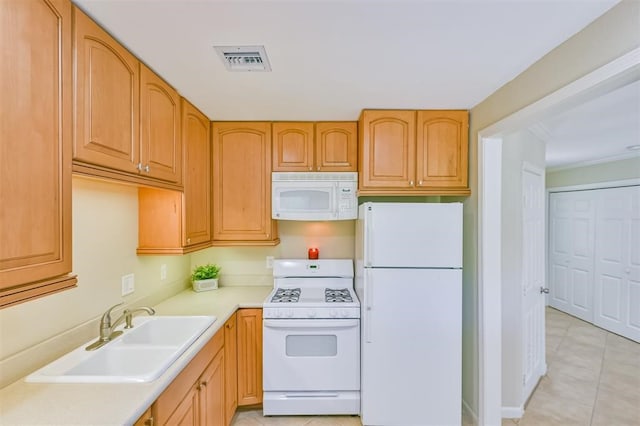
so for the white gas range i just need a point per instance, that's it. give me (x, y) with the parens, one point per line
(311, 339)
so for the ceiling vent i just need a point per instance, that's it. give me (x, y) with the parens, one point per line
(244, 58)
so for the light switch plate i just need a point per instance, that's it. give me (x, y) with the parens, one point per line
(128, 284)
(269, 262)
(163, 272)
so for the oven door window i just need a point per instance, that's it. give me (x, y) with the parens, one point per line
(317, 346)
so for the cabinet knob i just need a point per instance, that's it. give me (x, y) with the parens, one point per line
(420, 183)
(411, 183)
(188, 240)
(146, 168)
(149, 422)
(139, 167)
(310, 168)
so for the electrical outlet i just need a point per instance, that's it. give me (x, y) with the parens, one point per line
(269, 262)
(128, 284)
(163, 272)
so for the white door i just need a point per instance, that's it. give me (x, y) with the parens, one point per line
(571, 258)
(617, 269)
(533, 277)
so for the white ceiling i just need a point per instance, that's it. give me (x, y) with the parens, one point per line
(332, 58)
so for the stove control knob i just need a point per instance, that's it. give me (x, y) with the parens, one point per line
(289, 313)
(344, 313)
(311, 313)
(278, 313)
(333, 313)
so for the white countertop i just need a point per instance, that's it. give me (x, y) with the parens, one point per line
(24, 403)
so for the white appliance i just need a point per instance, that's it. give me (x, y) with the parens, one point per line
(311, 339)
(314, 196)
(409, 279)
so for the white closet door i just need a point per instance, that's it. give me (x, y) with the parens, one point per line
(617, 261)
(571, 257)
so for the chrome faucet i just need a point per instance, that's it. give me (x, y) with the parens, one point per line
(107, 328)
(128, 315)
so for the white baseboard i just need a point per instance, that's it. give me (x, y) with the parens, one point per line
(512, 412)
(467, 409)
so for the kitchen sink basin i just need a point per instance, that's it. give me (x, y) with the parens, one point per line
(140, 354)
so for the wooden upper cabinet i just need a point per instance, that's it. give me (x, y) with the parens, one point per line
(242, 184)
(413, 152)
(107, 92)
(292, 147)
(196, 138)
(442, 149)
(160, 141)
(174, 222)
(35, 153)
(387, 149)
(127, 117)
(336, 146)
(307, 146)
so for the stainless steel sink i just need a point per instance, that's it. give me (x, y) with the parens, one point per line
(140, 354)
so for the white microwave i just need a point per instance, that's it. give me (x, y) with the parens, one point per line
(314, 196)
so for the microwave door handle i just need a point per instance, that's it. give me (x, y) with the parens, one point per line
(336, 199)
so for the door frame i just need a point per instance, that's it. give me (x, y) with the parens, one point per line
(611, 76)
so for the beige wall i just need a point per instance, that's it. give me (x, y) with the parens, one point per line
(105, 237)
(612, 35)
(596, 173)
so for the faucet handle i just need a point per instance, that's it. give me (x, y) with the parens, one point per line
(106, 317)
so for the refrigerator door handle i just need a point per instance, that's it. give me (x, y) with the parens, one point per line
(368, 306)
(368, 225)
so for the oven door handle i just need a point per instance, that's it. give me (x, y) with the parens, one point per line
(311, 395)
(310, 324)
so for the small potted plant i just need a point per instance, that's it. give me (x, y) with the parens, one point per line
(205, 277)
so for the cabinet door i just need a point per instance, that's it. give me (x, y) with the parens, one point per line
(145, 420)
(249, 356)
(35, 153)
(197, 175)
(242, 183)
(106, 99)
(160, 147)
(212, 405)
(292, 147)
(441, 150)
(387, 149)
(230, 368)
(187, 412)
(336, 147)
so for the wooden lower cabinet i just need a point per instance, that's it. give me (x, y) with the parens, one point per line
(146, 419)
(196, 391)
(230, 368)
(225, 374)
(249, 356)
(211, 389)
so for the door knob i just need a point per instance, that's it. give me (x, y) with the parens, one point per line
(544, 290)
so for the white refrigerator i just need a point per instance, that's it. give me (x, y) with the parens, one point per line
(409, 281)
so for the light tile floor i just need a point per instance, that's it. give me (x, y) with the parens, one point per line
(593, 379)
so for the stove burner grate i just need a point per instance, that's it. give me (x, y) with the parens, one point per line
(286, 295)
(341, 295)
